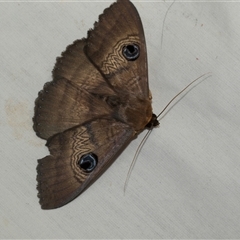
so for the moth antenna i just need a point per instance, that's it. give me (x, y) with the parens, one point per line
(150, 130)
(180, 93)
(164, 21)
(135, 158)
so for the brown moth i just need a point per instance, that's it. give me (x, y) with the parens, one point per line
(97, 102)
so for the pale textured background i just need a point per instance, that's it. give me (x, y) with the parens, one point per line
(186, 183)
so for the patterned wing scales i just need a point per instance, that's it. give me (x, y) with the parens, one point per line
(60, 177)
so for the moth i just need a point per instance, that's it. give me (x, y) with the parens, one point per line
(98, 101)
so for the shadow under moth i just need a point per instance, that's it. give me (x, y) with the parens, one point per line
(97, 102)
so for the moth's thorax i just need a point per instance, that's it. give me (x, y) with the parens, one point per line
(137, 113)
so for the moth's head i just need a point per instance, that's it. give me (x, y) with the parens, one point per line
(153, 122)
